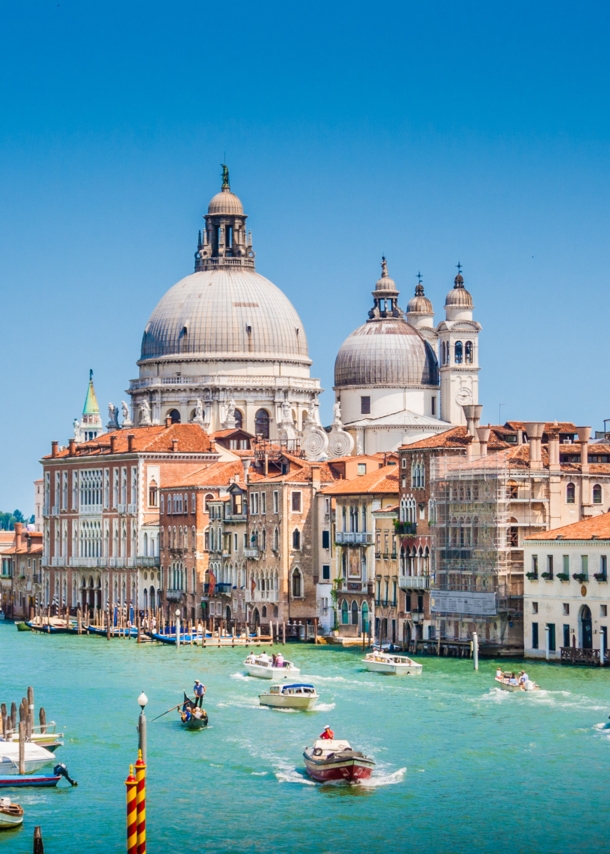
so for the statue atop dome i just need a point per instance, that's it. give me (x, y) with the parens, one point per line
(225, 177)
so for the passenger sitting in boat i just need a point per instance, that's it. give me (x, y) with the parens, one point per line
(513, 680)
(186, 714)
(328, 733)
(499, 674)
(279, 660)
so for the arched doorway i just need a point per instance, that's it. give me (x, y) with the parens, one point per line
(354, 613)
(228, 614)
(365, 618)
(256, 618)
(586, 628)
(344, 613)
(174, 415)
(152, 598)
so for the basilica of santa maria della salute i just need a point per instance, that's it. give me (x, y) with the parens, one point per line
(225, 348)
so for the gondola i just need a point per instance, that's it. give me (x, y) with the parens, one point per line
(191, 716)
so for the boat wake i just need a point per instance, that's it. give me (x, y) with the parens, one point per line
(241, 676)
(324, 707)
(378, 780)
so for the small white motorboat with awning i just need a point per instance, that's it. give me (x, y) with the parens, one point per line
(270, 667)
(36, 757)
(395, 665)
(294, 696)
(513, 683)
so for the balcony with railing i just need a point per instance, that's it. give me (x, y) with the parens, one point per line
(224, 588)
(148, 561)
(405, 529)
(174, 595)
(353, 537)
(414, 582)
(251, 553)
(234, 518)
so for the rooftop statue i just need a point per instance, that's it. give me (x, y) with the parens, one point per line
(225, 177)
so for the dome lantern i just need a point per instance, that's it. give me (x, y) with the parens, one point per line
(224, 242)
(385, 296)
(419, 308)
(459, 304)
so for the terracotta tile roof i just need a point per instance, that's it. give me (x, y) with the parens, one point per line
(7, 536)
(301, 471)
(222, 434)
(383, 480)
(213, 475)
(598, 527)
(457, 438)
(561, 426)
(191, 439)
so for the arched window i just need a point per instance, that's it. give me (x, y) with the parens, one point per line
(570, 493)
(365, 617)
(297, 584)
(354, 613)
(469, 352)
(344, 563)
(261, 423)
(276, 539)
(597, 494)
(239, 419)
(458, 352)
(264, 611)
(296, 539)
(344, 613)
(174, 415)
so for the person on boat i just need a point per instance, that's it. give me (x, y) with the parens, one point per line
(513, 680)
(499, 674)
(199, 689)
(523, 678)
(328, 734)
(279, 660)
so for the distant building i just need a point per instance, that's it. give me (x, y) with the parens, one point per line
(21, 579)
(566, 594)
(397, 378)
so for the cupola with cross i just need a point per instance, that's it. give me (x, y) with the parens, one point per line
(224, 241)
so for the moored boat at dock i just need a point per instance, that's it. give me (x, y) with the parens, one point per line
(293, 696)
(265, 666)
(396, 665)
(23, 626)
(36, 757)
(11, 815)
(334, 760)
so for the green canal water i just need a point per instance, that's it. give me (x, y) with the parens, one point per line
(461, 766)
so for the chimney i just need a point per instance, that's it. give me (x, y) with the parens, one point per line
(535, 429)
(54, 449)
(315, 477)
(584, 434)
(246, 464)
(71, 447)
(130, 441)
(470, 447)
(168, 422)
(519, 436)
(553, 434)
(113, 444)
(18, 534)
(472, 411)
(174, 446)
(483, 436)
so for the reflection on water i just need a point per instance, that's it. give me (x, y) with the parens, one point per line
(457, 758)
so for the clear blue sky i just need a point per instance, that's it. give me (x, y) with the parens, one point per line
(432, 132)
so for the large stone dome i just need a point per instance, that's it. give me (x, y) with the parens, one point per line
(385, 352)
(225, 314)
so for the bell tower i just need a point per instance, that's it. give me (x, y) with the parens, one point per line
(458, 337)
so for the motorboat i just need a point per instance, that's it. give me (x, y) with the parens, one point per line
(334, 760)
(23, 626)
(265, 667)
(293, 696)
(396, 665)
(11, 815)
(191, 716)
(36, 757)
(511, 682)
(49, 738)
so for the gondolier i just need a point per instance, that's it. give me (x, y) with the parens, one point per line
(199, 689)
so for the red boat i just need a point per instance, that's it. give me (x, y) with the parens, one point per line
(333, 760)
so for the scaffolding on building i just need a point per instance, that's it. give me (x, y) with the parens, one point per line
(482, 510)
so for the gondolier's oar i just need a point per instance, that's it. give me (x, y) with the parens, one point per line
(173, 709)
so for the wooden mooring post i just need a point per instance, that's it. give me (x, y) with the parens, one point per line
(38, 843)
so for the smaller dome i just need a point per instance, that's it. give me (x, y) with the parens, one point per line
(420, 304)
(459, 296)
(226, 202)
(385, 283)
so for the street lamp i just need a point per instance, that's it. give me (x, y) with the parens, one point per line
(177, 628)
(142, 701)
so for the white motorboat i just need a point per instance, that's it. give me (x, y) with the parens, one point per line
(514, 684)
(36, 757)
(396, 665)
(11, 815)
(265, 667)
(293, 696)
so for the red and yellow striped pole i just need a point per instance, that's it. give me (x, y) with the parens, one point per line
(132, 819)
(141, 803)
